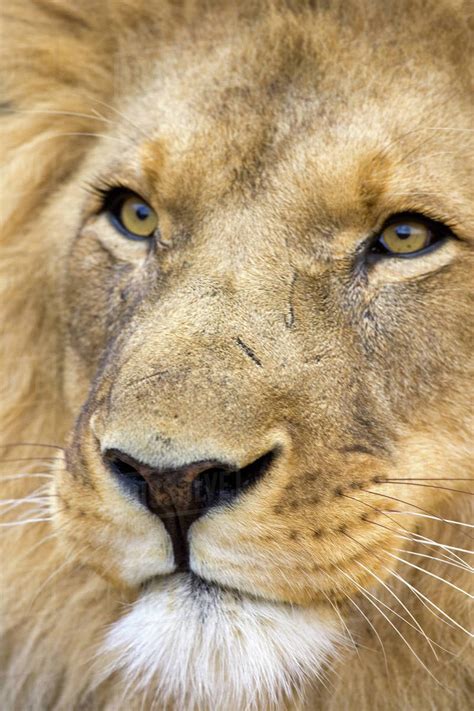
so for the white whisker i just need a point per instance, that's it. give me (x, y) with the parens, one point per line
(434, 518)
(433, 575)
(53, 575)
(24, 523)
(38, 445)
(446, 561)
(412, 536)
(34, 475)
(389, 589)
(430, 602)
(78, 114)
(11, 504)
(353, 602)
(371, 598)
(414, 506)
(342, 620)
(90, 134)
(424, 540)
(122, 116)
(446, 128)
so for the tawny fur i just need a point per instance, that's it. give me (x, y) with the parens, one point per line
(244, 142)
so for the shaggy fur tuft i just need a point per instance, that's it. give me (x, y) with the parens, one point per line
(241, 654)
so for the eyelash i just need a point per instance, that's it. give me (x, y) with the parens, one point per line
(104, 191)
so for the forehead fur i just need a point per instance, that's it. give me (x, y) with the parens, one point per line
(232, 88)
(274, 107)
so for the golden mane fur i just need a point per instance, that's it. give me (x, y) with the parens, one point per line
(282, 123)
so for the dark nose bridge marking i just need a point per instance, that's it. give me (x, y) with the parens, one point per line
(248, 352)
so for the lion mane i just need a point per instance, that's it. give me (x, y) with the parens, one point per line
(319, 110)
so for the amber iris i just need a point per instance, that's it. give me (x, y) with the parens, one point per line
(137, 217)
(407, 237)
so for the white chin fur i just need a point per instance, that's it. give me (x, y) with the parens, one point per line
(195, 647)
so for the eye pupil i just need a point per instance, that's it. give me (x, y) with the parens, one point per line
(142, 212)
(403, 231)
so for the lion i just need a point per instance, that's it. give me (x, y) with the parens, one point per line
(237, 330)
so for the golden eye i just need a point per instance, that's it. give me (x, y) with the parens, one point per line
(410, 236)
(406, 237)
(138, 217)
(132, 215)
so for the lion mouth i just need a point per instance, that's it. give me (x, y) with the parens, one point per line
(200, 589)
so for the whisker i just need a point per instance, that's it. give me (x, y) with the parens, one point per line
(411, 534)
(32, 496)
(24, 500)
(24, 523)
(66, 134)
(54, 574)
(426, 158)
(51, 112)
(30, 444)
(38, 544)
(439, 478)
(369, 597)
(30, 459)
(42, 490)
(432, 517)
(109, 107)
(353, 602)
(424, 540)
(447, 128)
(445, 555)
(420, 598)
(418, 627)
(445, 546)
(465, 567)
(34, 475)
(430, 602)
(430, 486)
(121, 115)
(408, 503)
(90, 134)
(342, 620)
(433, 575)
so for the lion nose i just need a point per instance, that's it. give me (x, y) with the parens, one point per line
(180, 496)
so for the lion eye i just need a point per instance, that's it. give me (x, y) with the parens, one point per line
(409, 237)
(132, 215)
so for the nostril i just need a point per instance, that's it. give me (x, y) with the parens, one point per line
(208, 486)
(220, 485)
(126, 474)
(252, 472)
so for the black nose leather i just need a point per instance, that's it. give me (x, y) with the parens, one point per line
(180, 496)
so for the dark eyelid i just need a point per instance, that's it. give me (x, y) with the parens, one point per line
(101, 190)
(113, 195)
(429, 220)
(107, 191)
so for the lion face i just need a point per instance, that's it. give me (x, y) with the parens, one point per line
(257, 378)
